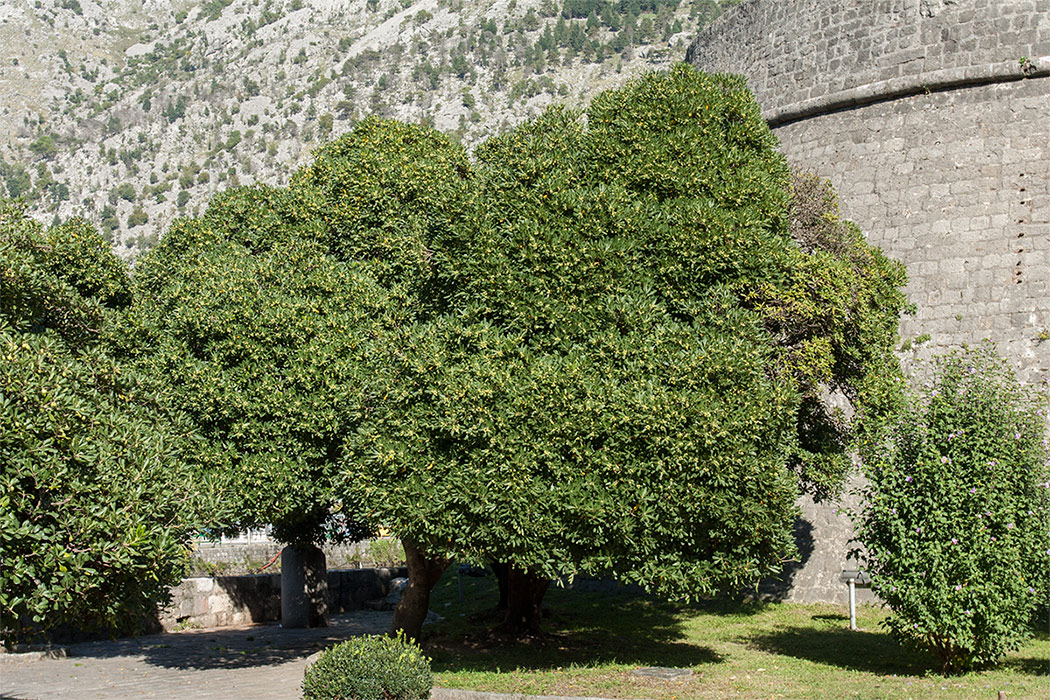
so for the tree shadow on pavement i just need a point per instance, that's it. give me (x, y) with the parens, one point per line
(236, 647)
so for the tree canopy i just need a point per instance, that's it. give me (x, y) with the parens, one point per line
(600, 345)
(258, 314)
(99, 498)
(633, 351)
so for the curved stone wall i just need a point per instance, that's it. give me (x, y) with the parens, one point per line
(932, 120)
(806, 57)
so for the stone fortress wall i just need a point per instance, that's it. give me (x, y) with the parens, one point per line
(932, 120)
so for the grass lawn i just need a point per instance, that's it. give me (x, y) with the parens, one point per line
(736, 650)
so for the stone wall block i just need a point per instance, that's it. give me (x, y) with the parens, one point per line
(240, 600)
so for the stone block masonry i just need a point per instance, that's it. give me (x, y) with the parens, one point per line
(247, 557)
(241, 600)
(955, 185)
(932, 120)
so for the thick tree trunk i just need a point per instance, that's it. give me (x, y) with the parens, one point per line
(525, 591)
(423, 574)
(304, 587)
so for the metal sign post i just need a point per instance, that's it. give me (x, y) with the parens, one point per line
(854, 578)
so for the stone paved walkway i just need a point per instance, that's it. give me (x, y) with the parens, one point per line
(260, 662)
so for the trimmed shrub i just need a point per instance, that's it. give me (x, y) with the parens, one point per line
(370, 668)
(956, 516)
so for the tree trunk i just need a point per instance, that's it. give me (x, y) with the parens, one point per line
(304, 587)
(502, 570)
(423, 574)
(525, 591)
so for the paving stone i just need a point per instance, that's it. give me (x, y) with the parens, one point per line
(257, 662)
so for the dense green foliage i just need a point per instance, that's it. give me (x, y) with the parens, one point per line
(611, 388)
(369, 667)
(245, 341)
(258, 314)
(97, 501)
(596, 348)
(834, 318)
(15, 179)
(957, 515)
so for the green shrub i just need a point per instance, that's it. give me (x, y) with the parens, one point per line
(44, 146)
(956, 514)
(90, 533)
(15, 178)
(386, 552)
(368, 668)
(138, 218)
(126, 191)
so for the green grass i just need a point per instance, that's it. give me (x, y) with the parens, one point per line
(736, 650)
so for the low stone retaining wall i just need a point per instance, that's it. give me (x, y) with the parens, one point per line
(236, 558)
(240, 600)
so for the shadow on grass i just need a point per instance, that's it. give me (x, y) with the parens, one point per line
(832, 617)
(740, 606)
(873, 652)
(1028, 666)
(581, 629)
(656, 645)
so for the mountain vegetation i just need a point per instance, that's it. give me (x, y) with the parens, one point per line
(130, 113)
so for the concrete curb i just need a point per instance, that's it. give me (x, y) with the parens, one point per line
(22, 657)
(454, 694)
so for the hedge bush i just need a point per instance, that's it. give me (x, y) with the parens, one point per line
(370, 668)
(97, 497)
(957, 512)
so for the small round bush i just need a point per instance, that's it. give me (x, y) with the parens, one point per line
(957, 515)
(370, 668)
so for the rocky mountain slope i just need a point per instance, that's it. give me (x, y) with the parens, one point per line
(133, 112)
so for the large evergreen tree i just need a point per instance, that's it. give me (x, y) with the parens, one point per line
(601, 347)
(627, 378)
